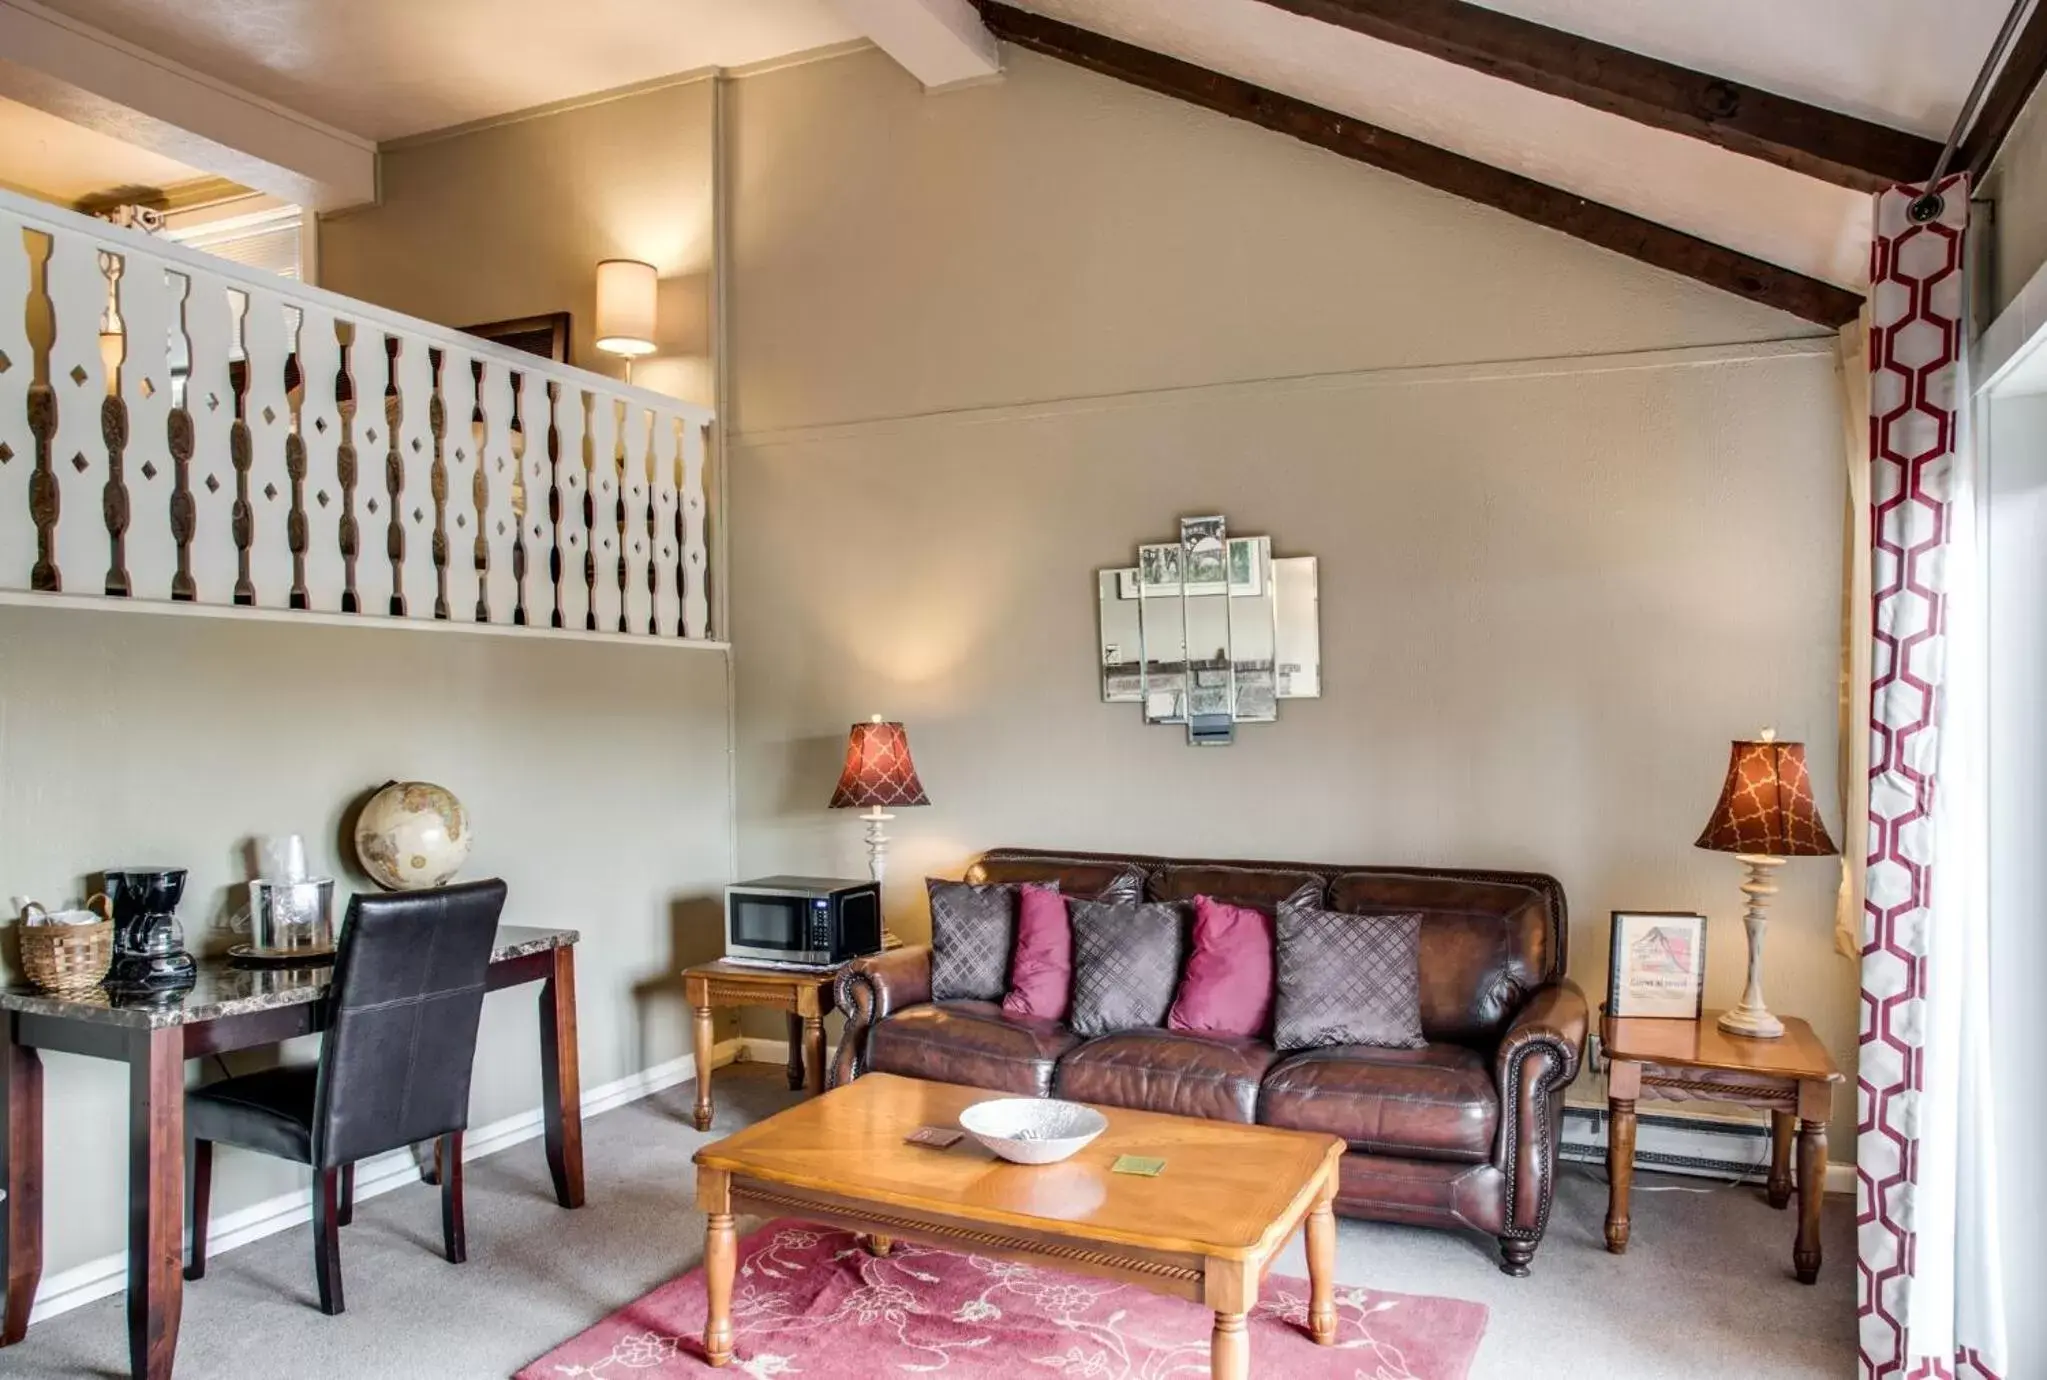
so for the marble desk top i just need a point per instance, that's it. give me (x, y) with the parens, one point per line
(225, 989)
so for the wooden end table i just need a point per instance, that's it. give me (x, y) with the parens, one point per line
(1792, 1077)
(804, 995)
(1206, 1229)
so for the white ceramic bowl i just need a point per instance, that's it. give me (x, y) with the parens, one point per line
(1031, 1130)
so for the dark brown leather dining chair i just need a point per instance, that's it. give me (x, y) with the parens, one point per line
(393, 1070)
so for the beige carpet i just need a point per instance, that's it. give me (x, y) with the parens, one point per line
(1706, 1290)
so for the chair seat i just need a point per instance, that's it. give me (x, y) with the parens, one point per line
(1434, 1103)
(1167, 1071)
(270, 1111)
(972, 1042)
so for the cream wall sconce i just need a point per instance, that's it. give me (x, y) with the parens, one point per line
(626, 291)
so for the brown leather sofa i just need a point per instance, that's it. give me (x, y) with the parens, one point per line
(1462, 1133)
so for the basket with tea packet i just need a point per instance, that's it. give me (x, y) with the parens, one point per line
(67, 950)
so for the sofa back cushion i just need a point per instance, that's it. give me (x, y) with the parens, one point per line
(1091, 879)
(1260, 888)
(1485, 944)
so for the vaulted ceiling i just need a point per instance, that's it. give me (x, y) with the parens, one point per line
(381, 69)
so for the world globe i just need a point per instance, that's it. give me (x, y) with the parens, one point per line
(413, 835)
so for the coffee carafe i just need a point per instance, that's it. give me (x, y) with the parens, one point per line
(149, 943)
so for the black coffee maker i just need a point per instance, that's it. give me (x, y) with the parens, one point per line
(149, 943)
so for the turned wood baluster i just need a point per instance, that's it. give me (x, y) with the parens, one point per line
(17, 441)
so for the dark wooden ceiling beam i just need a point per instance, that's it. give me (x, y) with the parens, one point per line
(1743, 119)
(2023, 69)
(1651, 243)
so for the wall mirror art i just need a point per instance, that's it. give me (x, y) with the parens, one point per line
(1210, 631)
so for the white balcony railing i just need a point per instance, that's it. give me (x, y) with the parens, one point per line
(174, 427)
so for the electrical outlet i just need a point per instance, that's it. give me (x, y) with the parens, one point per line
(1595, 1053)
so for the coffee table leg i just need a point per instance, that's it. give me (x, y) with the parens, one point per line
(721, 1262)
(1229, 1349)
(1322, 1265)
(880, 1247)
(1231, 1288)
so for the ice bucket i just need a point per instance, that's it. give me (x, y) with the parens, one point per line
(291, 918)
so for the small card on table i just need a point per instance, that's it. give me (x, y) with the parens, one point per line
(937, 1137)
(1138, 1164)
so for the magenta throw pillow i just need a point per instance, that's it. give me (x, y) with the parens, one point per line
(1227, 989)
(1041, 973)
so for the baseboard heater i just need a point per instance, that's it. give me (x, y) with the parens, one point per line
(1715, 1147)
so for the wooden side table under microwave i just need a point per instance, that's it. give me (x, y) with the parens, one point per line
(804, 995)
(1791, 1076)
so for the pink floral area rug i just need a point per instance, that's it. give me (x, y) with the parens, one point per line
(810, 1301)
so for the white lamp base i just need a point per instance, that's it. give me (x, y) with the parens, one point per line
(1752, 1019)
(877, 820)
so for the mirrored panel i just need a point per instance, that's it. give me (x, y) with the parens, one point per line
(1122, 636)
(1205, 602)
(1298, 609)
(1163, 626)
(1252, 630)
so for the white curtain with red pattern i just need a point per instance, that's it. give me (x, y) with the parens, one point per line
(1930, 1296)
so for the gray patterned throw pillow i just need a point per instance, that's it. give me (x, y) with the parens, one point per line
(973, 930)
(1347, 980)
(1126, 964)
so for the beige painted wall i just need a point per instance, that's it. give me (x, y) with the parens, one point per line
(986, 342)
(595, 773)
(2017, 184)
(511, 219)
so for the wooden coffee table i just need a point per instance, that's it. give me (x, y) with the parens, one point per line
(1206, 1229)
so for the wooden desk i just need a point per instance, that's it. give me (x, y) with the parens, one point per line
(804, 996)
(230, 1008)
(1792, 1076)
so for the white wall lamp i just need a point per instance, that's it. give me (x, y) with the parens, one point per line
(626, 290)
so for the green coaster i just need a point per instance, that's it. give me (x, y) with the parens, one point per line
(1138, 1164)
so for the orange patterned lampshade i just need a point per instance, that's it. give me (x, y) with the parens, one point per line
(1766, 807)
(879, 771)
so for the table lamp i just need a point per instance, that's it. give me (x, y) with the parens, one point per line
(1765, 815)
(879, 774)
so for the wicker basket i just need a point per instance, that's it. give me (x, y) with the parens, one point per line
(68, 958)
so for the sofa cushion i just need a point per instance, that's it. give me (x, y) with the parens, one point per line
(970, 1042)
(1227, 989)
(1433, 1103)
(1041, 974)
(1126, 965)
(1346, 980)
(1091, 879)
(973, 931)
(1261, 888)
(1161, 1071)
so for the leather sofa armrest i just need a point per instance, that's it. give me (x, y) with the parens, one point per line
(1537, 1060)
(868, 990)
(1555, 1017)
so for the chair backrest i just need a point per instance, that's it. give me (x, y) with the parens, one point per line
(401, 1036)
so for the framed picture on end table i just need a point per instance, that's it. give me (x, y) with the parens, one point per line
(1657, 965)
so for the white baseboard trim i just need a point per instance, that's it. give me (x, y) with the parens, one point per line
(1709, 1146)
(72, 1288)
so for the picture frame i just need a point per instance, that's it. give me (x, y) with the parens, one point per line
(1656, 965)
(545, 335)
